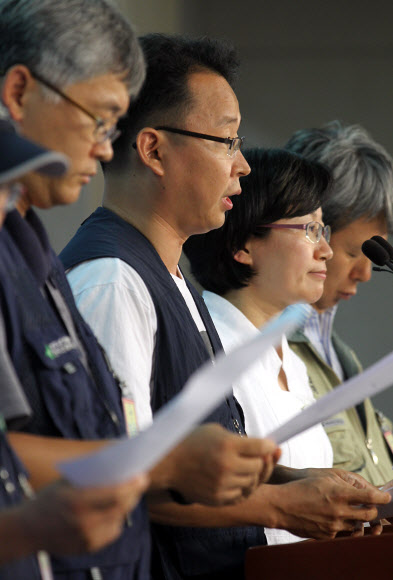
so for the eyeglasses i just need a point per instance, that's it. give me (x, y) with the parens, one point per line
(234, 143)
(314, 230)
(13, 193)
(101, 131)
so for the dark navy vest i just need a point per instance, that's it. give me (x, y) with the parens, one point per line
(180, 350)
(11, 493)
(67, 401)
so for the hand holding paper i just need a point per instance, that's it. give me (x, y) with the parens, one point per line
(202, 393)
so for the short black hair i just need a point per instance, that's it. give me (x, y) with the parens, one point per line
(164, 97)
(281, 185)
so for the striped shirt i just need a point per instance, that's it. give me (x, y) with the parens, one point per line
(318, 329)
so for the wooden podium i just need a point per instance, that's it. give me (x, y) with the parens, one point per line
(343, 558)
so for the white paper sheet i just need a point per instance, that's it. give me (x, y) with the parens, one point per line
(373, 380)
(200, 396)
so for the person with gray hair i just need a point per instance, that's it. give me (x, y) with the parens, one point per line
(67, 71)
(73, 41)
(80, 60)
(359, 207)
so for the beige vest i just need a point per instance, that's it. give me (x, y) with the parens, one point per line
(353, 450)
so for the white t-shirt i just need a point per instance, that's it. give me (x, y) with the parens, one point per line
(116, 303)
(265, 405)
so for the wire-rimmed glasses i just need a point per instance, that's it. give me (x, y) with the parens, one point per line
(101, 132)
(314, 230)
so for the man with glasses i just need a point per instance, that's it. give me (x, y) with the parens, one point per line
(67, 70)
(69, 512)
(176, 166)
(166, 205)
(66, 81)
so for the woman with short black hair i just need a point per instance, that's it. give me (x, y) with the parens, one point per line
(270, 253)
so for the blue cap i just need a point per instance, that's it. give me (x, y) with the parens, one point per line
(19, 155)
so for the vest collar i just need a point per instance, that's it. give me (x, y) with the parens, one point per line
(32, 241)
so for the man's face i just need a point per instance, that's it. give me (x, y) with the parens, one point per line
(199, 175)
(349, 265)
(63, 127)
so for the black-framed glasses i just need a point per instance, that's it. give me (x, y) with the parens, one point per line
(234, 143)
(314, 230)
(101, 132)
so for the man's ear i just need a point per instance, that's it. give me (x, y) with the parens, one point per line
(244, 256)
(148, 144)
(16, 84)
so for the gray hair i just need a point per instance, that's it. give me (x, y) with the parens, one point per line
(362, 172)
(68, 41)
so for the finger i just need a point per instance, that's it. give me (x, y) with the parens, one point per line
(276, 455)
(364, 514)
(267, 469)
(229, 497)
(350, 525)
(376, 528)
(106, 497)
(253, 447)
(358, 532)
(247, 466)
(367, 496)
(242, 482)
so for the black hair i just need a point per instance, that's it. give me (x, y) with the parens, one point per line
(164, 97)
(281, 185)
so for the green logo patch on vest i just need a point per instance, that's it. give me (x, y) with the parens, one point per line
(58, 347)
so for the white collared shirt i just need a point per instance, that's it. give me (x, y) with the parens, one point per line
(265, 405)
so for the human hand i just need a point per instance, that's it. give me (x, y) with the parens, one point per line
(320, 507)
(63, 519)
(339, 475)
(216, 467)
(356, 480)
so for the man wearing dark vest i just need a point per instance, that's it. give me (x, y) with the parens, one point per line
(76, 63)
(60, 518)
(176, 166)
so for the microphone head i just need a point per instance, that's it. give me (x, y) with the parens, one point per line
(374, 252)
(385, 244)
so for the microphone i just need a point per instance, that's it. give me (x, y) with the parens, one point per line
(385, 244)
(377, 254)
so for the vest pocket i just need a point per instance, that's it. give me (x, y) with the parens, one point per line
(59, 380)
(347, 453)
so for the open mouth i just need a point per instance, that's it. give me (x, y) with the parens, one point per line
(227, 203)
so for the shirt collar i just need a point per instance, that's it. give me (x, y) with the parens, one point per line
(322, 320)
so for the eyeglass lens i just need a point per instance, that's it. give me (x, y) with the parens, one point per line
(315, 231)
(235, 145)
(101, 134)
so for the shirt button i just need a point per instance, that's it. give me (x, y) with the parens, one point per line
(4, 474)
(9, 487)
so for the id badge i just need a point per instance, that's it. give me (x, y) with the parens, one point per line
(130, 417)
